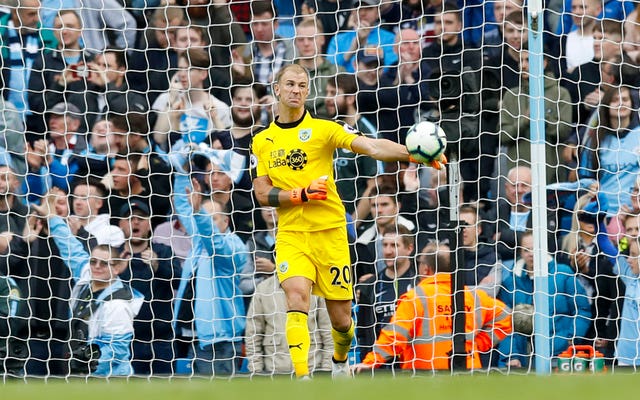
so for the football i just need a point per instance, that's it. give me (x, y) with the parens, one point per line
(426, 141)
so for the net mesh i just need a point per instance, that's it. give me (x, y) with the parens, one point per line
(132, 242)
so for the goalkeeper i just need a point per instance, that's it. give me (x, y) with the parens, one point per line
(292, 169)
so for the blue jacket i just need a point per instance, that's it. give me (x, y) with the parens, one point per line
(569, 308)
(216, 260)
(342, 41)
(111, 325)
(628, 344)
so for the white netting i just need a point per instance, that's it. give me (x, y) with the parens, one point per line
(125, 151)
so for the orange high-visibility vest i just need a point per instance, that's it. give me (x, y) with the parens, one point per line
(420, 332)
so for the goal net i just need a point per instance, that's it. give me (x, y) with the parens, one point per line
(132, 242)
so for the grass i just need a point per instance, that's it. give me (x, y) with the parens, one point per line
(441, 387)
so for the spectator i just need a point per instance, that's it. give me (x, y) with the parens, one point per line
(378, 295)
(587, 246)
(262, 246)
(107, 24)
(109, 323)
(333, 15)
(12, 138)
(152, 169)
(605, 154)
(246, 102)
(395, 16)
(189, 36)
(154, 60)
(515, 128)
(309, 42)
(218, 172)
(364, 31)
(216, 314)
(268, 52)
(87, 222)
(416, 345)
(152, 271)
(449, 69)
(222, 32)
(188, 109)
(12, 321)
(107, 88)
(612, 10)
(512, 215)
(104, 144)
(266, 344)
(585, 80)
(569, 305)
(504, 62)
(494, 38)
(481, 269)
(60, 76)
(385, 209)
(50, 160)
(617, 226)
(29, 256)
(21, 41)
(578, 45)
(627, 351)
(355, 173)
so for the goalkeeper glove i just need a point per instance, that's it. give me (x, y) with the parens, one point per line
(317, 190)
(437, 164)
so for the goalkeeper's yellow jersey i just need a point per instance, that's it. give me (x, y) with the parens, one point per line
(293, 155)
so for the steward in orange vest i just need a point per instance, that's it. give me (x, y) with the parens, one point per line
(420, 332)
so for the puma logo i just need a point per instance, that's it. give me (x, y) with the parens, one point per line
(269, 139)
(298, 346)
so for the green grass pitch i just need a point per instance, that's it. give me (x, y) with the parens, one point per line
(441, 387)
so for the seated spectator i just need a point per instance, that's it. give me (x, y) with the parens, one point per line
(378, 296)
(109, 323)
(87, 222)
(188, 110)
(60, 76)
(210, 309)
(606, 153)
(262, 246)
(415, 345)
(515, 127)
(309, 42)
(364, 31)
(569, 305)
(266, 344)
(154, 272)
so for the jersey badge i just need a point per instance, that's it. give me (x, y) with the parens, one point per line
(349, 129)
(253, 161)
(304, 135)
(283, 267)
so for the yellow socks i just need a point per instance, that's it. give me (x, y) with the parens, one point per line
(342, 343)
(297, 332)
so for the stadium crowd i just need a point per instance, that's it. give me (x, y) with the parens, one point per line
(131, 241)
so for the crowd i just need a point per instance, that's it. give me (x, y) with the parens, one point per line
(130, 236)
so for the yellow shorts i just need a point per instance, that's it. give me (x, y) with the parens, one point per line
(322, 257)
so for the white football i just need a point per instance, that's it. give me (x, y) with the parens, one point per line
(426, 141)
